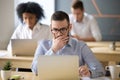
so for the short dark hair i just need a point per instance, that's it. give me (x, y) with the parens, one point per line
(78, 4)
(59, 16)
(30, 7)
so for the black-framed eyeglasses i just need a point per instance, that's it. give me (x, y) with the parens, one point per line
(62, 30)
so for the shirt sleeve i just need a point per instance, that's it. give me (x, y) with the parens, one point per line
(94, 65)
(49, 52)
(39, 51)
(95, 29)
(72, 32)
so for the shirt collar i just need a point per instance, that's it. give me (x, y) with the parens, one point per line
(37, 26)
(70, 42)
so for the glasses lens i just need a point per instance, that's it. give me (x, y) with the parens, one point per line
(62, 30)
(54, 30)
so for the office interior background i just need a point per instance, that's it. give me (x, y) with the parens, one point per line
(106, 12)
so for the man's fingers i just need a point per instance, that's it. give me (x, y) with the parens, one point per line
(83, 70)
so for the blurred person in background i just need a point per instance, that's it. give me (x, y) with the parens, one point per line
(30, 15)
(84, 26)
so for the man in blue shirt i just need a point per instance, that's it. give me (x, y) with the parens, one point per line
(64, 44)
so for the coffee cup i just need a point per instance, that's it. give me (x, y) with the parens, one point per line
(114, 71)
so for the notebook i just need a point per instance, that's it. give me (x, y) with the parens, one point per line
(58, 67)
(23, 47)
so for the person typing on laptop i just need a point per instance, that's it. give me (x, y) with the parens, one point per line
(30, 14)
(64, 44)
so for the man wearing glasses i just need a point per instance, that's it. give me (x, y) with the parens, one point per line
(64, 44)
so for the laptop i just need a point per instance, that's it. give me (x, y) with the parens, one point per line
(58, 67)
(23, 47)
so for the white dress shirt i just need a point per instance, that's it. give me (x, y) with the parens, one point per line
(39, 32)
(87, 28)
(74, 47)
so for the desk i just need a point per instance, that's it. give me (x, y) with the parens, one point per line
(105, 50)
(102, 44)
(31, 76)
(22, 62)
(25, 75)
(105, 54)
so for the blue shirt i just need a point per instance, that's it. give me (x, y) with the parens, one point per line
(74, 47)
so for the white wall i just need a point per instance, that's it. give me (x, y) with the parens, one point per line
(6, 21)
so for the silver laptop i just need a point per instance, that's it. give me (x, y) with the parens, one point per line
(58, 67)
(23, 47)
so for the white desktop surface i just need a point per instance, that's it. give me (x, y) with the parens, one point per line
(99, 78)
(5, 53)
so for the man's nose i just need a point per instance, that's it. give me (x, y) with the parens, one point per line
(76, 16)
(59, 32)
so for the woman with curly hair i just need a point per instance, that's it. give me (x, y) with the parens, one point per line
(30, 15)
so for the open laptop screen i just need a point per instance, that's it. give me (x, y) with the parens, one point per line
(23, 47)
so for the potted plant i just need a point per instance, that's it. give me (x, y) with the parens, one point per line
(6, 71)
